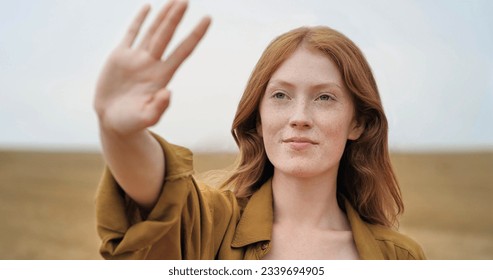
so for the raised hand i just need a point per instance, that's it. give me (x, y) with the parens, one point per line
(131, 95)
(131, 92)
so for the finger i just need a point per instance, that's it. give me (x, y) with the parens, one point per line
(162, 100)
(166, 29)
(159, 18)
(187, 46)
(134, 28)
(157, 106)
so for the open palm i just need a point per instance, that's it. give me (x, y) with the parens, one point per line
(131, 92)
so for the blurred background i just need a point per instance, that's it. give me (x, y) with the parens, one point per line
(433, 62)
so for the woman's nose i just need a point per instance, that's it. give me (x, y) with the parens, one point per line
(300, 116)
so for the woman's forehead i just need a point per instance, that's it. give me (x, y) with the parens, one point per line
(307, 66)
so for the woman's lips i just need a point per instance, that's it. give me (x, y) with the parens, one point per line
(299, 143)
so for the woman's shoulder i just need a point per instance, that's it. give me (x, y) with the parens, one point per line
(396, 244)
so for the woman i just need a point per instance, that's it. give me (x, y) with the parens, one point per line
(313, 180)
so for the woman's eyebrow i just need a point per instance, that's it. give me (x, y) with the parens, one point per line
(319, 86)
(281, 83)
(326, 85)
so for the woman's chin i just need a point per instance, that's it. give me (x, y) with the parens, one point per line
(298, 172)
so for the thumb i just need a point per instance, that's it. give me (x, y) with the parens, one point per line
(162, 100)
(158, 106)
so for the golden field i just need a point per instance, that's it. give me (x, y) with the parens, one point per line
(47, 203)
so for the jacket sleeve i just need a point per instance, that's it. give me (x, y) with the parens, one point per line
(188, 221)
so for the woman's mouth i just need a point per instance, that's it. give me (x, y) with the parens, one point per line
(299, 143)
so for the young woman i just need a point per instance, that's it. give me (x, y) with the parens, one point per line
(313, 180)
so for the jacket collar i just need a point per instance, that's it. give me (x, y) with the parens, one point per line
(256, 221)
(366, 244)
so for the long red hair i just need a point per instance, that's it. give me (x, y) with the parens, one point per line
(365, 175)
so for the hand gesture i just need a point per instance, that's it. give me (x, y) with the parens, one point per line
(131, 92)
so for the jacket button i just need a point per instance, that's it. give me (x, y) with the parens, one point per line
(264, 246)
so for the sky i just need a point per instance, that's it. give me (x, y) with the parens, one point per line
(433, 62)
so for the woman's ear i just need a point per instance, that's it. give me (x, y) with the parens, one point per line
(357, 128)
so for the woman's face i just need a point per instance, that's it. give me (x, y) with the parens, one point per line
(306, 116)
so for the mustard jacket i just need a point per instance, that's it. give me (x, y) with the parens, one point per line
(192, 221)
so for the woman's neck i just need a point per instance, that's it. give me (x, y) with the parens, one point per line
(307, 202)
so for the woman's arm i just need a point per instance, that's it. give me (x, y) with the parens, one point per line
(131, 96)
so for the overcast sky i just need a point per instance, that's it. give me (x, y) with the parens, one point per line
(433, 61)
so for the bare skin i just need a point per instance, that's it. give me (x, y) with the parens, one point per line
(131, 96)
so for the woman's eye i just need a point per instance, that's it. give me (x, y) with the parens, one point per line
(279, 95)
(325, 97)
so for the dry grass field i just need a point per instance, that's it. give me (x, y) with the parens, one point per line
(47, 203)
